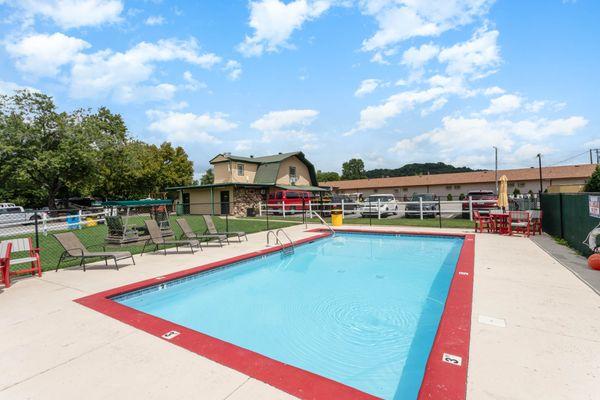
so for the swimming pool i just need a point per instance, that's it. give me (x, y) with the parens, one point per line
(350, 316)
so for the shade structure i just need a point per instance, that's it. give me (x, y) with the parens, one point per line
(503, 192)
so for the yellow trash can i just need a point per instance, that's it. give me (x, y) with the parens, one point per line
(89, 221)
(337, 217)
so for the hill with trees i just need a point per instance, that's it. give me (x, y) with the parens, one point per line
(416, 169)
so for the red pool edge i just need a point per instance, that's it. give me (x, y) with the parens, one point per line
(443, 380)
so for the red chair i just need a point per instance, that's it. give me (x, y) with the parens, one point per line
(5, 262)
(482, 221)
(536, 221)
(7, 247)
(519, 221)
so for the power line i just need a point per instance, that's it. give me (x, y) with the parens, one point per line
(570, 158)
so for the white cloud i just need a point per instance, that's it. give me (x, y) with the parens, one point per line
(504, 104)
(367, 86)
(243, 145)
(417, 57)
(189, 127)
(274, 22)
(154, 20)
(233, 69)
(494, 90)
(464, 137)
(106, 72)
(374, 117)
(286, 124)
(8, 88)
(399, 20)
(43, 55)
(74, 13)
(476, 57)
(192, 83)
(535, 106)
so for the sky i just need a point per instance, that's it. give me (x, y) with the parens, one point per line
(388, 81)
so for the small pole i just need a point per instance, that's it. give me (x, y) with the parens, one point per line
(267, 213)
(37, 233)
(440, 211)
(378, 208)
(421, 207)
(343, 207)
(283, 208)
(370, 214)
(79, 225)
(496, 169)
(539, 156)
(227, 222)
(471, 208)
(260, 208)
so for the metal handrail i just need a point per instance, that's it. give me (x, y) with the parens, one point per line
(286, 235)
(277, 241)
(324, 222)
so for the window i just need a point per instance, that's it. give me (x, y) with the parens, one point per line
(456, 186)
(521, 184)
(292, 195)
(405, 190)
(449, 187)
(279, 195)
(240, 169)
(292, 172)
(396, 190)
(376, 191)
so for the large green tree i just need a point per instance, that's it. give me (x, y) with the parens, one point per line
(593, 184)
(353, 169)
(323, 176)
(46, 155)
(43, 153)
(208, 178)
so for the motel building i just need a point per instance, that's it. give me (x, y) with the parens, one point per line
(242, 182)
(570, 178)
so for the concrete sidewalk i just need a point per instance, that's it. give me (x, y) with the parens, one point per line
(53, 348)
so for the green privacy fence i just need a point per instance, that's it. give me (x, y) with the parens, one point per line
(567, 216)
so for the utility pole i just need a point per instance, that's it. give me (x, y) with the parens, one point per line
(539, 156)
(496, 168)
(597, 151)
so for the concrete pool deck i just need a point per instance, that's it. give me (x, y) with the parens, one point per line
(535, 332)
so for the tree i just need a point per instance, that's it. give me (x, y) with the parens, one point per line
(353, 169)
(44, 154)
(593, 184)
(327, 176)
(208, 178)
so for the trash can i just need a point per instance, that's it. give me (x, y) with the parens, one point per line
(73, 221)
(337, 217)
(90, 221)
(250, 212)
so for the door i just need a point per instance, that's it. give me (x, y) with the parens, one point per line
(186, 203)
(224, 202)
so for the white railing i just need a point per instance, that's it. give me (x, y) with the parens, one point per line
(47, 224)
(419, 209)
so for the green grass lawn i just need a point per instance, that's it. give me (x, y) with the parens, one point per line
(95, 236)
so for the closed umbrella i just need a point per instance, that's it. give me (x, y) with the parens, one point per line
(503, 193)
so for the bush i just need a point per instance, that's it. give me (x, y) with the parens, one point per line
(461, 196)
(593, 184)
(516, 191)
(449, 197)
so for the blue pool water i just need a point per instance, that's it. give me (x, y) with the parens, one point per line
(360, 309)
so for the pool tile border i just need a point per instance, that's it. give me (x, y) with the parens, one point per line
(442, 380)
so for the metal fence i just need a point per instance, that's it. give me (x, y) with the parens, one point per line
(91, 227)
(566, 216)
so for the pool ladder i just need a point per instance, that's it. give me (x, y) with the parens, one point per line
(285, 250)
(311, 213)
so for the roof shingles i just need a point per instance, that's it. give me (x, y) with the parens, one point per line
(522, 174)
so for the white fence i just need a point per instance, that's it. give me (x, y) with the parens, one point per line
(397, 209)
(43, 223)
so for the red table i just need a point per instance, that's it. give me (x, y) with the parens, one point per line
(501, 223)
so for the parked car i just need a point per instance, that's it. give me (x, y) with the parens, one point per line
(379, 204)
(482, 200)
(430, 209)
(294, 201)
(335, 202)
(17, 214)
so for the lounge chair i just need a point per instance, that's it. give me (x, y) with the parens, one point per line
(7, 247)
(118, 232)
(74, 249)
(157, 239)
(188, 233)
(212, 229)
(519, 221)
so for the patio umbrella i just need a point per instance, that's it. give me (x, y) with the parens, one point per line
(503, 193)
